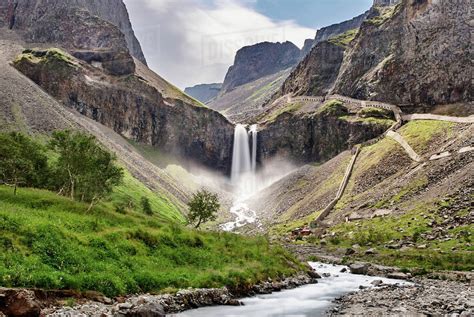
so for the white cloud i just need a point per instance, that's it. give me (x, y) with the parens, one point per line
(195, 41)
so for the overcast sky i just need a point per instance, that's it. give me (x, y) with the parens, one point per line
(190, 42)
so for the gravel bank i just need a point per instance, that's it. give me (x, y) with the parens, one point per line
(424, 298)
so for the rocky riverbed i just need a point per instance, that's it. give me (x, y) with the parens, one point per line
(23, 302)
(423, 298)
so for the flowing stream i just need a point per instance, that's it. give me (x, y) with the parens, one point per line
(309, 300)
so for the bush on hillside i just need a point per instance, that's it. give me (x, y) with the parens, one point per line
(146, 206)
(203, 207)
(22, 161)
(84, 170)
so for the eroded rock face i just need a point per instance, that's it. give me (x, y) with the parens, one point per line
(328, 32)
(133, 107)
(56, 21)
(259, 60)
(418, 56)
(316, 74)
(312, 138)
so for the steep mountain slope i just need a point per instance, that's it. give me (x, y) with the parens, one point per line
(244, 103)
(204, 92)
(412, 36)
(26, 107)
(398, 56)
(38, 20)
(334, 30)
(104, 82)
(259, 60)
(415, 214)
(257, 73)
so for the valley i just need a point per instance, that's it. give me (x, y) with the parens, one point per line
(342, 172)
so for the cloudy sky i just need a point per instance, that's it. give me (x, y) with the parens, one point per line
(190, 42)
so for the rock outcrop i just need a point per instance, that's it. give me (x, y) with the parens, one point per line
(259, 60)
(328, 32)
(204, 92)
(313, 137)
(133, 106)
(414, 53)
(38, 19)
(316, 74)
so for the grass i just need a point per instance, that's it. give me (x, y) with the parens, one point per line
(128, 196)
(289, 108)
(387, 123)
(36, 56)
(49, 241)
(419, 133)
(372, 112)
(344, 39)
(334, 108)
(454, 254)
(384, 14)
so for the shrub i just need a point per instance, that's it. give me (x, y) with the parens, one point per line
(146, 206)
(22, 161)
(203, 207)
(83, 170)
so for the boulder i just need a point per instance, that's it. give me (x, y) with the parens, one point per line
(359, 268)
(19, 303)
(350, 251)
(376, 282)
(371, 251)
(314, 274)
(146, 310)
(398, 275)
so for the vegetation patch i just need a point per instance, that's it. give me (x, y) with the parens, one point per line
(289, 108)
(49, 241)
(383, 233)
(334, 108)
(51, 55)
(344, 39)
(385, 13)
(372, 112)
(419, 133)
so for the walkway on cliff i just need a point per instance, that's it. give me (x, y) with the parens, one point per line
(391, 133)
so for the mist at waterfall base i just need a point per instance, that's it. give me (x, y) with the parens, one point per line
(246, 180)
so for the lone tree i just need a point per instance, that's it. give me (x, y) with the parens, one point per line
(84, 170)
(203, 207)
(22, 161)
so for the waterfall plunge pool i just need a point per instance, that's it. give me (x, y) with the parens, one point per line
(305, 301)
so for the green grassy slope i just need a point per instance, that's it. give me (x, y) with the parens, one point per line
(49, 241)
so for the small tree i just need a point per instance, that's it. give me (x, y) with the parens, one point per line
(83, 170)
(146, 206)
(22, 161)
(203, 207)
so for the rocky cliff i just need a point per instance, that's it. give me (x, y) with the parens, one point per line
(38, 20)
(414, 53)
(328, 32)
(318, 71)
(204, 92)
(94, 73)
(260, 60)
(304, 133)
(134, 106)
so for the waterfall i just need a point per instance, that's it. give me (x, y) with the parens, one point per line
(253, 132)
(241, 165)
(243, 175)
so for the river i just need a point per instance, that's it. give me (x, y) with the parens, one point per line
(307, 301)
